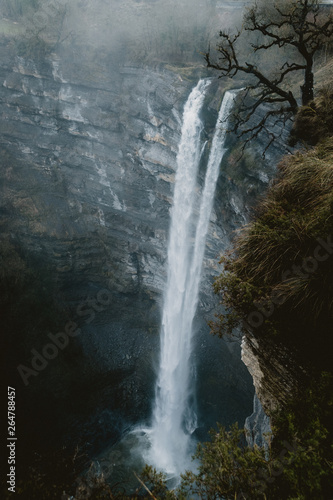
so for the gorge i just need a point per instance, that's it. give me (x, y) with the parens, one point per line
(120, 188)
(62, 156)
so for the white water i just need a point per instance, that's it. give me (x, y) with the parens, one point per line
(174, 418)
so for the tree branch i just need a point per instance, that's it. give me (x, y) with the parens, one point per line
(295, 24)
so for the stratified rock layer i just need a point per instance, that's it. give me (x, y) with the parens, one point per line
(89, 152)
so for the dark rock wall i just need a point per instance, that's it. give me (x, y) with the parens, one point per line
(277, 374)
(88, 163)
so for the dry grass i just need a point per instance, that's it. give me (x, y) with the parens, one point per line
(314, 122)
(275, 254)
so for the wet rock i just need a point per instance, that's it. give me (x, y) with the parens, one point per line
(89, 167)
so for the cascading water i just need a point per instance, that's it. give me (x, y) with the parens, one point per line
(169, 441)
(174, 417)
(207, 199)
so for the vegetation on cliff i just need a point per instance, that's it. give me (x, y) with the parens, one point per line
(295, 466)
(277, 286)
(315, 121)
(278, 279)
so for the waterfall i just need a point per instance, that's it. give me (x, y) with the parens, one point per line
(174, 417)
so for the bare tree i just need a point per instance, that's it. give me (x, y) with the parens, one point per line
(298, 29)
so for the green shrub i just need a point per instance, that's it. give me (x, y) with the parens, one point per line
(296, 464)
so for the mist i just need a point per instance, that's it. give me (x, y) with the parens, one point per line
(133, 31)
(92, 97)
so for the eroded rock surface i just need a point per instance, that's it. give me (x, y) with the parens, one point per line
(89, 153)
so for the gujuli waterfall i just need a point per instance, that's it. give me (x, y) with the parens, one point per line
(174, 417)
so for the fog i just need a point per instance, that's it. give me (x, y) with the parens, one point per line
(172, 30)
(143, 31)
(118, 32)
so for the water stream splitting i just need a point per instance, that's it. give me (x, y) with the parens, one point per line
(174, 416)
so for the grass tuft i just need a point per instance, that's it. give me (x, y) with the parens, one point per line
(279, 263)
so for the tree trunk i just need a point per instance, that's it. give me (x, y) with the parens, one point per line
(307, 87)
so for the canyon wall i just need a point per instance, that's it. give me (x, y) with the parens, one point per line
(88, 152)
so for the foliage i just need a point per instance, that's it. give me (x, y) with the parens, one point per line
(155, 485)
(296, 464)
(306, 423)
(278, 269)
(226, 470)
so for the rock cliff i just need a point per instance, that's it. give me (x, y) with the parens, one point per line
(88, 151)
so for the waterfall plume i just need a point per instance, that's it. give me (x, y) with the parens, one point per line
(174, 417)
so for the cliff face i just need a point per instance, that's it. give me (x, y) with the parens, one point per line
(277, 376)
(244, 179)
(281, 238)
(88, 152)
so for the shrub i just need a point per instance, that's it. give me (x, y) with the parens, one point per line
(273, 269)
(314, 122)
(296, 464)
